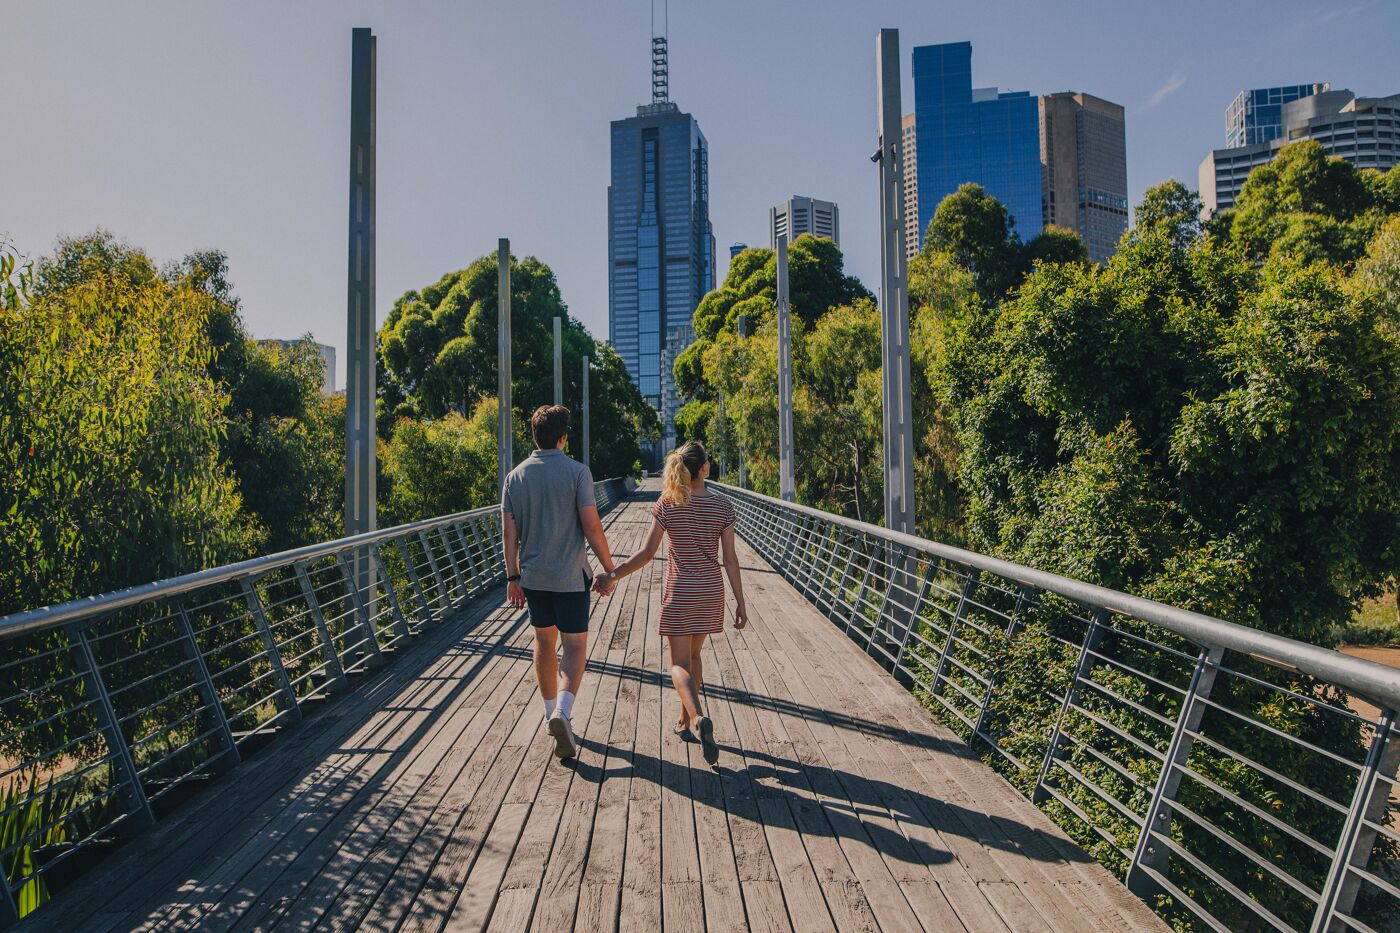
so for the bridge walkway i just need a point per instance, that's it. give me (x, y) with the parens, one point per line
(428, 799)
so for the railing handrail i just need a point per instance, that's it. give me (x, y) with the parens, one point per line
(45, 617)
(1367, 678)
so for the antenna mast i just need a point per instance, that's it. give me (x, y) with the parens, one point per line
(660, 66)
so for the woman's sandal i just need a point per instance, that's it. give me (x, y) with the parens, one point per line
(682, 731)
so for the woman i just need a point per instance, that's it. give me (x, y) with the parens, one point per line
(695, 521)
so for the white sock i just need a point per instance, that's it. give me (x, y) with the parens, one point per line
(548, 708)
(565, 706)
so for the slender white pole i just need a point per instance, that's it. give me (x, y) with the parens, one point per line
(786, 487)
(503, 436)
(558, 363)
(894, 303)
(585, 412)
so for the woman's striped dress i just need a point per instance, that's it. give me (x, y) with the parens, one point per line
(694, 600)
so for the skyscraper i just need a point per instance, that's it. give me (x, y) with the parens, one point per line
(979, 135)
(1084, 163)
(737, 248)
(661, 246)
(1363, 130)
(798, 215)
(908, 154)
(1257, 116)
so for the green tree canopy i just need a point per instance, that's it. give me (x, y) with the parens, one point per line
(110, 429)
(1204, 420)
(438, 356)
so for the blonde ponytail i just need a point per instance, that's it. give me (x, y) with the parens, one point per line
(682, 466)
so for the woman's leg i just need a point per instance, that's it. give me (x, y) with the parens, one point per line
(681, 677)
(697, 677)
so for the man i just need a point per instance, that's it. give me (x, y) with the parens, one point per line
(548, 510)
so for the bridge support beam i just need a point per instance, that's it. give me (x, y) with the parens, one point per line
(503, 425)
(894, 301)
(360, 492)
(787, 488)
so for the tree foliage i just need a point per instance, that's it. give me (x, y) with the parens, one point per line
(110, 429)
(438, 351)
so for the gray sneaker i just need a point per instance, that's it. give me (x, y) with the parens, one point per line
(565, 745)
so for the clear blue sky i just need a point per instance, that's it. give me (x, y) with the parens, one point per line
(185, 124)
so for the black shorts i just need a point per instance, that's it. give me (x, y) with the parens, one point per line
(567, 612)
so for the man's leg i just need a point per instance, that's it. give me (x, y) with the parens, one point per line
(571, 667)
(547, 666)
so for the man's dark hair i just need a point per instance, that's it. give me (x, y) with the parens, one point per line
(548, 424)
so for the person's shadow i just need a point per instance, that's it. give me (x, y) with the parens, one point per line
(824, 801)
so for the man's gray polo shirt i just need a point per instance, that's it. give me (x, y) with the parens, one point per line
(543, 494)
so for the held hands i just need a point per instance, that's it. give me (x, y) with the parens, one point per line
(604, 584)
(515, 596)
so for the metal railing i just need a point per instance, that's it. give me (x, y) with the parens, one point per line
(111, 704)
(1235, 779)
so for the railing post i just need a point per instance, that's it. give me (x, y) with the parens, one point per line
(1368, 808)
(840, 598)
(452, 562)
(925, 581)
(400, 620)
(860, 593)
(9, 910)
(125, 762)
(286, 695)
(1159, 817)
(969, 585)
(1012, 625)
(334, 670)
(374, 657)
(1092, 634)
(892, 564)
(476, 575)
(425, 612)
(207, 691)
(444, 598)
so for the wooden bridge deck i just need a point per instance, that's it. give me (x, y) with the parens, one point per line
(428, 799)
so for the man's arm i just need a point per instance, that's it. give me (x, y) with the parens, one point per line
(510, 545)
(593, 531)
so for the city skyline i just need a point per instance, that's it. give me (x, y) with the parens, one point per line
(166, 158)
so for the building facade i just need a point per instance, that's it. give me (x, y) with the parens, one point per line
(1363, 130)
(1257, 116)
(798, 215)
(737, 248)
(1084, 169)
(908, 154)
(661, 246)
(977, 135)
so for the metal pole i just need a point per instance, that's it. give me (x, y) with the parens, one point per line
(503, 429)
(894, 305)
(360, 493)
(743, 463)
(558, 363)
(585, 411)
(786, 488)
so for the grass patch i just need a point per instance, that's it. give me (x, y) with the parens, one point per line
(1374, 625)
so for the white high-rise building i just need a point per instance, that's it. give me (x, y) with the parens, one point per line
(1363, 130)
(798, 215)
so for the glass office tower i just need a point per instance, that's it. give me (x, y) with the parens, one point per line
(979, 135)
(1257, 116)
(661, 246)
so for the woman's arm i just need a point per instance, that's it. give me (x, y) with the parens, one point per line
(637, 561)
(731, 569)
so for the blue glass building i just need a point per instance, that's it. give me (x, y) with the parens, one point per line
(661, 245)
(1257, 116)
(979, 135)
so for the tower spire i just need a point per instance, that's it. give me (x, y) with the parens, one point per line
(660, 65)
